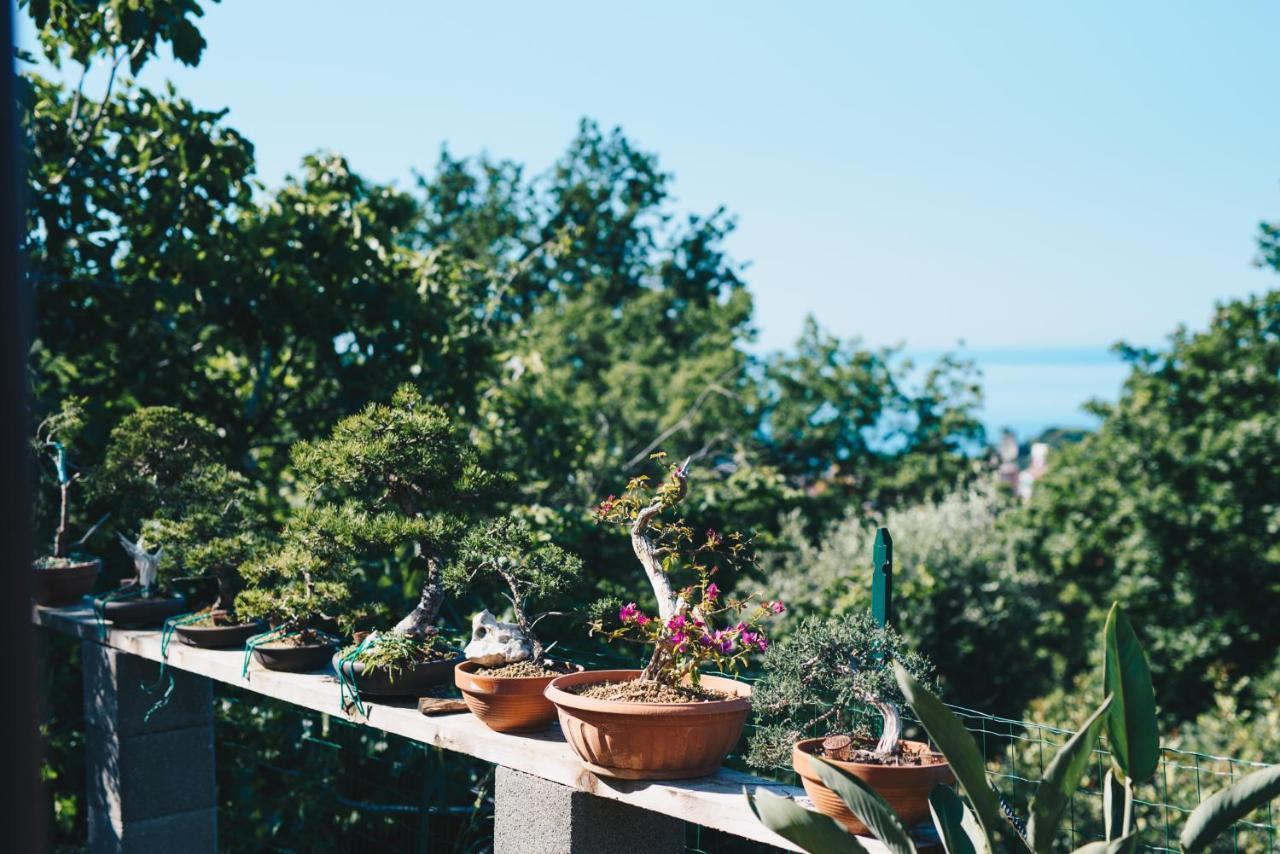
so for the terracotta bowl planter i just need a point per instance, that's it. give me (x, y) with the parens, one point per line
(140, 613)
(415, 681)
(649, 741)
(219, 637)
(906, 787)
(506, 704)
(295, 658)
(59, 586)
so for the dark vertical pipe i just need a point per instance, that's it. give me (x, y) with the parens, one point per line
(23, 823)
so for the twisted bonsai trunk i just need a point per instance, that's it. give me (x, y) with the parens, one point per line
(891, 732)
(420, 622)
(646, 550)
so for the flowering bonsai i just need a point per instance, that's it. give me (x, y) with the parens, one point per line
(832, 679)
(508, 552)
(63, 575)
(696, 625)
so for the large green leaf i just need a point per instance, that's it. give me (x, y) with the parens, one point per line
(962, 752)
(812, 831)
(1117, 807)
(868, 806)
(954, 822)
(1060, 781)
(1225, 808)
(1132, 725)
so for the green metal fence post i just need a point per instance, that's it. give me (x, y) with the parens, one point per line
(882, 578)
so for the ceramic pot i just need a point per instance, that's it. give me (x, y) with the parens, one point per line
(649, 741)
(506, 703)
(60, 586)
(219, 637)
(906, 787)
(295, 658)
(143, 613)
(409, 682)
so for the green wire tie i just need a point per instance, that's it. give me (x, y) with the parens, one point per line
(257, 640)
(348, 690)
(99, 606)
(166, 634)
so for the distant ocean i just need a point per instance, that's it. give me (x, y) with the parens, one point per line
(1027, 390)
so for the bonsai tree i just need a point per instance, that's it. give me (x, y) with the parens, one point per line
(164, 472)
(52, 437)
(696, 624)
(832, 678)
(393, 482)
(507, 551)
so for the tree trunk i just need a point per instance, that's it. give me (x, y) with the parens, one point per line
(646, 550)
(420, 622)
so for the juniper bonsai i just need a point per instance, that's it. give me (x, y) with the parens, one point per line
(831, 678)
(508, 551)
(393, 482)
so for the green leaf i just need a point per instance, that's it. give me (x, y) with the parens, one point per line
(961, 751)
(1132, 725)
(1060, 781)
(812, 831)
(1117, 805)
(1115, 846)
(954, 821)
(868, 806)
(1228, 806)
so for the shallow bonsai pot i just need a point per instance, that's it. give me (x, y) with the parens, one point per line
(219, 637)
(59, 586)
(409, 682)
(507, 703)
(140, 613)
(906, 788)
(649, 741)
(295, 658)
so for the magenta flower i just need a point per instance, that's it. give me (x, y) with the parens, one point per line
(762, 643)
(777, 607)
(641, 619)
(712, 592)
(676, 623)
(628, 612)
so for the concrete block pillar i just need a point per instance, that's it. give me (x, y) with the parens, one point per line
(150, 785)
(536, 816)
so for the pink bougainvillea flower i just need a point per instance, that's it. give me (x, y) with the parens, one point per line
(676, 623)
(712, 592)
(762, 643)
(628, 612)
(641, 619)
(777, 607)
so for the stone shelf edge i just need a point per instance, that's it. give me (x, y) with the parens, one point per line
(715, 802)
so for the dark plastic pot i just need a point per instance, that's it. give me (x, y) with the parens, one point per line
(201, 592)
(219, 637)
(59, 586)
(415, 681)
(294, 658)
(139, 613)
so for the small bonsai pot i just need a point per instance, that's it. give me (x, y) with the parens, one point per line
(295, 657)
(905, 787)
(505, 703)
(649, 741)
(142, 612)
(62, 584)
(219, 635)
(408, 682)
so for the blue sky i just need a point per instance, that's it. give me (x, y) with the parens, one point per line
(1007, 175)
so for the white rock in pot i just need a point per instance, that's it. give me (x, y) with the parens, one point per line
(144, 563)
(494, 643)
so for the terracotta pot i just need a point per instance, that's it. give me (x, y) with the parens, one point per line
(219, 637)
(649, 741)
(506, 703)
(59, 586)
(906, 788)
(141, 613)
(414, 681)
(295, 658)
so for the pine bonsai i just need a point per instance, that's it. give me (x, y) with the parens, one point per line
(832, 678)
(391, 483)
(509, 552)
(684, 634)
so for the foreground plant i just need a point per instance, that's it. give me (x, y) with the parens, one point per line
(978, 822)
(696, 625)
(507, 551)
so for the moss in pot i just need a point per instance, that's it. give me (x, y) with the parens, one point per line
(65, 576)
(667, 721)
(394, 664)
(829, 691)
(507, 669)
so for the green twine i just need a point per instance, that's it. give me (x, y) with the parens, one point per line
(100, 604)
(348, 690)
(166, 634)
(258, 640)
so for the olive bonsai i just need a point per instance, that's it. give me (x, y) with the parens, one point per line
(832, 678)
(509, 552)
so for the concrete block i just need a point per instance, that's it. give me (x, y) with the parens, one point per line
(536, 816)
(117, 693)
(189, 831)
